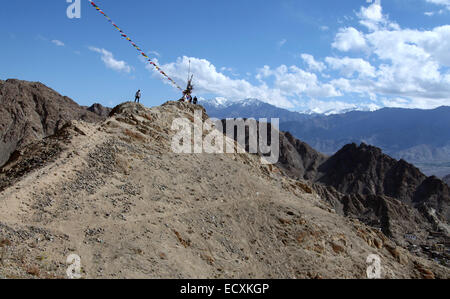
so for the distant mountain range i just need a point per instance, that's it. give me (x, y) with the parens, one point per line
(421, 137)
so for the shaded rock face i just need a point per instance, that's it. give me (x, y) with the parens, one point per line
(30, 111)
(297, 159)
(366, 170)
(361, 182)
(391, 216)
(394, 196)
(100, 110)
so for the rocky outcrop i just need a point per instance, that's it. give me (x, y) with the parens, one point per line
(30, 111)
(362, 182)
(100, 110)
(296, 158)
(365, 170)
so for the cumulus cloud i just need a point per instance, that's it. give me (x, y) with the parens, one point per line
(351, 66)
(377, 65)
(373, 18)
(412, 65)
(208, 80)
(313, 65)
(349, 39)
(282, 86)
(293, 81)
(110, 62)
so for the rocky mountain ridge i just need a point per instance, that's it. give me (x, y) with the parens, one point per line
(364, 183)
(30, 111)
(114, 192)
(420, 137)
(111, 194)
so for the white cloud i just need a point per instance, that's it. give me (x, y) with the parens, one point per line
(412, 61)
(293, 81)
(373, 18)
(349, 39)
(58, 43)
(208, 80)
(384, 65)
(412, 65)
(313, 65)
(350, 66)
(372, 13)
(282, 86)
(110, 62)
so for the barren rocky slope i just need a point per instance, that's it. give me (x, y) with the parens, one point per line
(361, 182)
(30, 111)
(115, 194)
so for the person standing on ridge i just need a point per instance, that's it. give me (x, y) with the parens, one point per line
(195, 101)
(138, 96)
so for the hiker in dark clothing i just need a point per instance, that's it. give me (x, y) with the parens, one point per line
(195, 100)
(138, 96)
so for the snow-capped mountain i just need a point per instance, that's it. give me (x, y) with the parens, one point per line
(248, 108)
(223, 103)
(336, 111)
(418, 136)
(216, 102)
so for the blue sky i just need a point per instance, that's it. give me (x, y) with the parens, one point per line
(316, 56)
